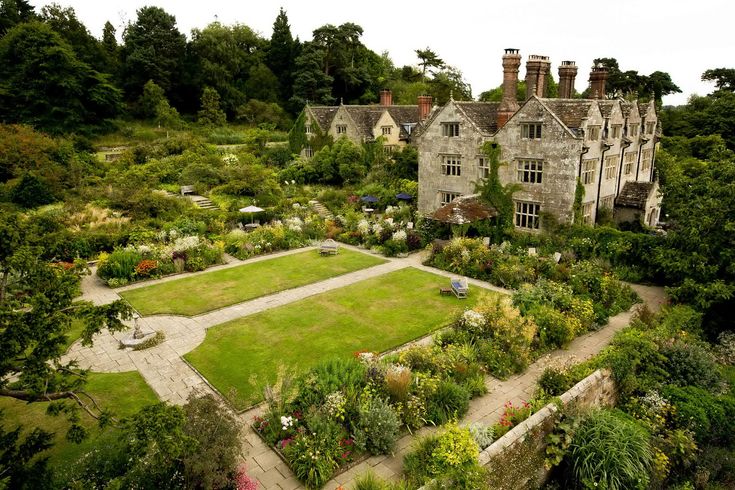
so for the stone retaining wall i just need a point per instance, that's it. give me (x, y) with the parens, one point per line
(516, 460)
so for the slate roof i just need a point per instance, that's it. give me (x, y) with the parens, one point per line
(464, 209)
(570, 111)
(365, 117)
(634, 195)
(323, 115)
(606, 107)
(483, 114)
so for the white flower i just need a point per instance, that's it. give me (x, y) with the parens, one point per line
(399, 236)
(473, 319)
(363, 227)
(296, 205)
(230, 159)
(377, 229)
(186, 243)
(366, 357)
(286, 422)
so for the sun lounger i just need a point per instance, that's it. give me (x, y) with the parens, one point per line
(460, 288)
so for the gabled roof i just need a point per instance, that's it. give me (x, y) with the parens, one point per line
(606, 107)
(365, 117)
(571, 112)
(323, 115)
(484, 115)
(634, 195)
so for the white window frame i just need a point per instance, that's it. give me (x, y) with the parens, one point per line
(308, 151)
(587, 208)
(646, 158)
(445, 197)
(529, 170)
(611, 165)
(531, 130)
(589, 171)
(451, 165)
(450, 129)
(593, 133)
(628, 163)
(483, 167)
(527, 215)
(308, 129)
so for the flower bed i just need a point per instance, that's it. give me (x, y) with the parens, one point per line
(172, 253)
(294, 231)
(388, 234)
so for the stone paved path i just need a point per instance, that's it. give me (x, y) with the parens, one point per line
(173, 379)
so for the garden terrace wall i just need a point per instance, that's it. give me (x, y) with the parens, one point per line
(516, 460)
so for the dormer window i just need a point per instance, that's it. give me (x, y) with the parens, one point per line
(633, 130)
(531, 131)
(386, 130)
(650, 127)
(307, 129)
(593, 133)
(615, 131)
(341, 129)
(450, 129)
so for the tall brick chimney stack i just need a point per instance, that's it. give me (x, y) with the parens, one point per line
(567, 75)
(386, 97)
(598, 77)
(543, 76)
(509, 103)
(534, 67)
(424, 106)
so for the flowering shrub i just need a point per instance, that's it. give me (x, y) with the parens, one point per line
(293, 232)
(145, 268)
(377, 427)
(453, 450)
(243, 481)
(512, 416)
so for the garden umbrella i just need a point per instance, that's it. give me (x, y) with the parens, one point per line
(403, 196)
(371, 199)
(251, 210)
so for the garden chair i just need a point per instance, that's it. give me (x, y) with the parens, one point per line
(460, 288)
(328, 247)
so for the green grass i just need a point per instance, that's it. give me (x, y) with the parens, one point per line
(376, 314)
(123, 393)
(206, 292)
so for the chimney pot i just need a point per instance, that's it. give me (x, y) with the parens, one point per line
(567, 75)
(598, 78)
(509, 103)
(424, 102)
(386, 97)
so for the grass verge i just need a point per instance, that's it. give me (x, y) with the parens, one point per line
(193, 295)
(241, 356)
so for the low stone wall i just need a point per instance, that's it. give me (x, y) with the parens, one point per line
(516, 460)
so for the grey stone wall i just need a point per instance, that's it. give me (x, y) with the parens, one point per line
(432, 145)
(516, 460)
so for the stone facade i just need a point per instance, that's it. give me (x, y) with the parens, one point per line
(363, 124)
(546, 146)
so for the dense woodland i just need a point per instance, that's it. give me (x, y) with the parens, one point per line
(174, 101)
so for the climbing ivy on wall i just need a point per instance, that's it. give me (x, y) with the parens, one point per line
(496, 194)
(298, 140)
(578, 198)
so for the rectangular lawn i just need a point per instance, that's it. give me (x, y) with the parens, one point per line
(376, 314)
(206, 292)
(122, 393)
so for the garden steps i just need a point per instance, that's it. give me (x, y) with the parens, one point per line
(321, 209)
(202, 202)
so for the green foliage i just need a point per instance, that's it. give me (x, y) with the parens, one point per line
(22, 464)
(554, 382)
(499, 196)
(31, 192)
(452, 450)
(154, 50)
(690, 364)
(708, 416)
(559, 440)
(210, 113)
(449, 401)
(312, 459)
(44, 84)
(327, 377)
(610, 450)
(157, 339)
(377, 428)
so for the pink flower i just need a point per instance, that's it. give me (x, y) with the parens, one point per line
(243, 481)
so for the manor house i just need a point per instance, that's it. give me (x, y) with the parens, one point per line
(546, 145)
